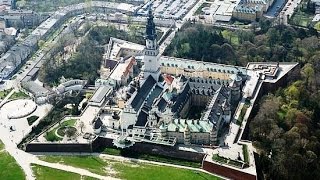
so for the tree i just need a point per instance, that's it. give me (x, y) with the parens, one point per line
(70, 132)
(41, 43)
(273, 36)
(228, 52)
(292, 93)
(185, 49)
(215, 51)
(308, 73)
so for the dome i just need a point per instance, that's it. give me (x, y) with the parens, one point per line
(98, 124)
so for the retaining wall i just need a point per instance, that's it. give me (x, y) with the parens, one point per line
(226, 171)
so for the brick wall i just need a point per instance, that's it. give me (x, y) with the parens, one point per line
(227, 172)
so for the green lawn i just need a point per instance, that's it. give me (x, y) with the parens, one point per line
(242, 114)
(4, 93)
(19, 95)
(70, 122)
(144, 172)
(91, 163)
(223, 160)
(245, 153)
(46, 173)
(231, 36)
(1, 146)
(128, 170)
(317, 26)
(199, 10)
(9, 169)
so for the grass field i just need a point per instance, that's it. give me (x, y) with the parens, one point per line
(1, 146)
(91, 163)
(19, 95)
(46, 173)
(9, 169)
(4, 93)
(128, 170)
(150, 157)
(317, 26)
(232, 37)
(144, 172)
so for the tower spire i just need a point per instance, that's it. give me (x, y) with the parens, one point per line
(150, 27)
(151, 65)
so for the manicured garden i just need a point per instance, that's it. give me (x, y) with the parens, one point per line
(223, 160)
(199, 10)
(128, 170)
(9, 169)
(61, 130)
(242, 114)
(46, 173)
(245, 153)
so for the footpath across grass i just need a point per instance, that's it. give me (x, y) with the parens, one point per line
(128, 170)
(46, 173)
(90, 163)
(9, 169)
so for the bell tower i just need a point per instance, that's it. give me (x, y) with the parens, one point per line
(151, 64)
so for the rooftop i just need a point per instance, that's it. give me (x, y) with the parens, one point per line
(100, 94)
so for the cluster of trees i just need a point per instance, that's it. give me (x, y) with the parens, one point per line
(86, 61)
(286, 128)
(201, 43)
(280, 43)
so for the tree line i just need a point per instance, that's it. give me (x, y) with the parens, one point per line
(85, 63)
(238, 47)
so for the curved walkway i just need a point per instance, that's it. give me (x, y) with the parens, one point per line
(126, 159)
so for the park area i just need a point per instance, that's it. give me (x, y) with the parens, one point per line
(9, 169)
(302, 16)
(127, 170)
(59, 131)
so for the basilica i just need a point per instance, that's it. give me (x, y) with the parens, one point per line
(169, 108)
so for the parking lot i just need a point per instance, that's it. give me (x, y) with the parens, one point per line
(169, 9)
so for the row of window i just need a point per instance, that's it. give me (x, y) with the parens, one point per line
(209, 69)
(150, 53)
